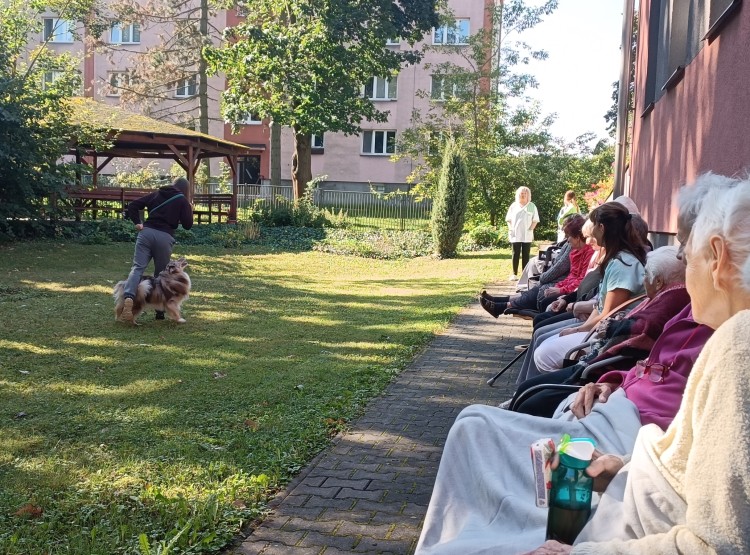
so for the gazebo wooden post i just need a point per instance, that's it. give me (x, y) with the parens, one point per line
(95, 171)
(232, 161)
(191, 172)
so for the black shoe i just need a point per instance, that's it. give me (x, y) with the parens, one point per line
(493, 298)
(495, 309)
(160, 315)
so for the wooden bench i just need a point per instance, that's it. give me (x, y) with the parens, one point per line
(105, 200)
(207, 206)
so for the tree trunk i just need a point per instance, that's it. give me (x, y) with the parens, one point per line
(275, 154)
(301, 163)
(203, 71)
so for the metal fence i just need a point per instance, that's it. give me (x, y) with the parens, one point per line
(366, 210)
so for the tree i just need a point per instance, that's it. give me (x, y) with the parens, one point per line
(35, 127)
(302, 63)
(495, 134)
(449, 206)
(175, 61)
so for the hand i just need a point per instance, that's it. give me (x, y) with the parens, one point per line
(551, 547)
(552, 292)
(603, 468)
(581, 309)
(588, 395)
(568, 331)
(139, 227)
(557, 306)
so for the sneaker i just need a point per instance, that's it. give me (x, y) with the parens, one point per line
(520, 348)
(505, 404)
(512, 277)
(127, 310)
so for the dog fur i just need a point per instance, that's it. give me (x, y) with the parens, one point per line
(165, 292)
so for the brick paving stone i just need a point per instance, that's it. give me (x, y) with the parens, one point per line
(369, 491)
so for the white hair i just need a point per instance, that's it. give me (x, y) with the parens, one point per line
(521, 190)
(690, 198)
(663, 263)
(628, 203)
(725, 212)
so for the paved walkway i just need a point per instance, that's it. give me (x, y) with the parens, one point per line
(369, 491)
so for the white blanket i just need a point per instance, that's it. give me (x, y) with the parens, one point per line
(483, 500)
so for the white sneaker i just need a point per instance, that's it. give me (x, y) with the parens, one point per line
(505, 404)
(512, 277)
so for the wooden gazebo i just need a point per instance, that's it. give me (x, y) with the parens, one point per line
(132, 135)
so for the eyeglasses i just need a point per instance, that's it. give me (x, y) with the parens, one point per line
(656, 372)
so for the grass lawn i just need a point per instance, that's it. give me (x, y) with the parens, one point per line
(115, 438)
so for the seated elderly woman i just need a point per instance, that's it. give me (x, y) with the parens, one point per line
(632, 337)
(686, 488)
(537, 298)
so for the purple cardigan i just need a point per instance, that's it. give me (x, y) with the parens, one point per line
(679, 345)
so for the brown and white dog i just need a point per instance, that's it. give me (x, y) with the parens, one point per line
(165, 292)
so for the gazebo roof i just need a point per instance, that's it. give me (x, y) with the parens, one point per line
(138, 136)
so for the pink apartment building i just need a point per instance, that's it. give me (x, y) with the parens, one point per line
(353, 163)
(692, 101)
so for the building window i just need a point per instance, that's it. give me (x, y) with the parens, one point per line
(58, 30)
(252, 119)
(393, 42)
(117, 81)
(125, 34)
(379, 142)
(186, 87)
(317, 144)
(442, 88)
(452, 34)
(720, 11)
(379, 88)
(50, 77)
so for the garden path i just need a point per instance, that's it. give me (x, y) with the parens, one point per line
(369, 491)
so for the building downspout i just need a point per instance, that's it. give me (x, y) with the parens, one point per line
(621, 149)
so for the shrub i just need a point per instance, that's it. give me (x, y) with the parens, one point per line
(449, 207)
(485, 235)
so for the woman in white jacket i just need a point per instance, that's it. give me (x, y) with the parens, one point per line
(522, 218)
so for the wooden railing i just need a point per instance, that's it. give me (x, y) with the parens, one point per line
(112, 201)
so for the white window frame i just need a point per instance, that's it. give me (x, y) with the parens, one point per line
(125, 34)
(185, 85)
(59, 31)
(314, 137)
(382, 88)
(123, 78)
(443, 96)
(371, 135)
(393, 42)
(252, 119)
(50, 77)
(453, 35)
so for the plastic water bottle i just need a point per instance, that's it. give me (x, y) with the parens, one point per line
(570, 496)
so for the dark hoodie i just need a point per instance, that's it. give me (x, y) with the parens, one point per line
(167, 217)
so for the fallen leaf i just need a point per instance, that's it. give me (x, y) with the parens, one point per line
(252, 424)
(238, 504)
(30, 510)
(299, 386)
(219, 375)
(20, 415)
(24, 372)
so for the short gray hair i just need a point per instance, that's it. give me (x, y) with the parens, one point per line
(521, 190)
(663, 263)
(726, 212)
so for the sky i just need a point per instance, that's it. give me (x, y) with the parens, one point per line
(582, 38)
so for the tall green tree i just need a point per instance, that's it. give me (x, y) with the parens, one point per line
(475, 105)
(302, 63)
(449, 206)
(35, 128)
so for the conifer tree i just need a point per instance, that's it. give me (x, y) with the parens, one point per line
(449, 206)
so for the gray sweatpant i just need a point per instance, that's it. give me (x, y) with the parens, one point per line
(151, 243)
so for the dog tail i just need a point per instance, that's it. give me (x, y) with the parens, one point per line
(118, 291)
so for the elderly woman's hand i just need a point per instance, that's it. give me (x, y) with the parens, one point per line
(552, 292)
(588, 395)
(551, 547)
(557, 306)
(603, 468)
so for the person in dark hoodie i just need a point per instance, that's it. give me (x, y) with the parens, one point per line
(167, 208)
